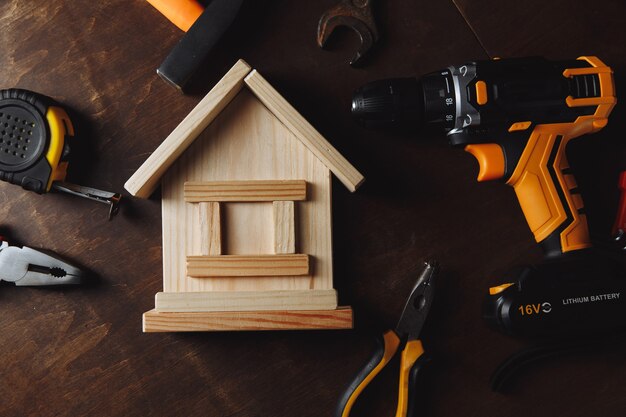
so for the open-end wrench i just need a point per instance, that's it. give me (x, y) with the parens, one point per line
(355, 14)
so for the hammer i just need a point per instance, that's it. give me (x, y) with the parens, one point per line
(204, 29)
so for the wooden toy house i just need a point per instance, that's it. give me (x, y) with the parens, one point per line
(246, 203)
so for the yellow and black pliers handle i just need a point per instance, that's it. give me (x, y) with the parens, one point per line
(411, 362)
(404, 338)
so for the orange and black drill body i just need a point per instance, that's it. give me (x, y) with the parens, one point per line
(516, 117)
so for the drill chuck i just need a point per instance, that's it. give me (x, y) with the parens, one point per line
(408, 102)
(389, 103)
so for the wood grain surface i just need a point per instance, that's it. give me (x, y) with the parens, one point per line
(247, 265)
(160, 321)
(255, 190)
(81, 351)
(247, 301)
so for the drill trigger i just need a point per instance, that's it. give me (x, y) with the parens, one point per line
(490, 157)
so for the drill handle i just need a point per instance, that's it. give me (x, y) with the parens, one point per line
(548, 193)
(543, 181)
(530, 156)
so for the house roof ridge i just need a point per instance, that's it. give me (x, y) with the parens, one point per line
(146, 179)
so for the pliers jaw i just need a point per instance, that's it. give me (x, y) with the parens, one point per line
(355, 14)
(418, 304)
(30, 267)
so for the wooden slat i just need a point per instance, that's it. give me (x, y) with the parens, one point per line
(303, 130)
(241, 191)
(208, 240)
(284, 227)
(143, 182)
(246, 300)
(247, 265)
(154, 321)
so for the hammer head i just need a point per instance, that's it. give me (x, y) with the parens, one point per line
(194, 47)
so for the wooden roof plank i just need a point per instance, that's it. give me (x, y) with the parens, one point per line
(303, 130)
(146, 179)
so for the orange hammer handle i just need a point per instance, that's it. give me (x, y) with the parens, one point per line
(182, 13)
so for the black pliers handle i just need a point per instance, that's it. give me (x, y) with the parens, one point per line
(403, 338)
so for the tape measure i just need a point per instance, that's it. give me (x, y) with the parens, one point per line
(35, 138)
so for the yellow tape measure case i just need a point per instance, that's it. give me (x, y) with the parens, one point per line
(33, 140)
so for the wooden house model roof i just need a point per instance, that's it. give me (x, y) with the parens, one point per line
(147, 177)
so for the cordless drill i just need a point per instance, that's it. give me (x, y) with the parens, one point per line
(516, 116)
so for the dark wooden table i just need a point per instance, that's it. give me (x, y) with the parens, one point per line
(80, 351)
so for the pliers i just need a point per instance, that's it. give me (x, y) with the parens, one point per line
(355, 14)
(405, 337)
(26, 266)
